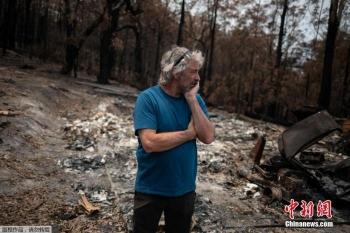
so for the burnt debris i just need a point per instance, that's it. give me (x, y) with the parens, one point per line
(301, 170)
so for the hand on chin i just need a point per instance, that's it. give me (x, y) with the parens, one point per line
(192, 90)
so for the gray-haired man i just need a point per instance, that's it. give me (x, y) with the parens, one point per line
(168, 118)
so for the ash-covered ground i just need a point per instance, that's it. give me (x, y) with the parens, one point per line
(61, 137)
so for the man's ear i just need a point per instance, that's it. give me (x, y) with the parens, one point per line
(176, 75)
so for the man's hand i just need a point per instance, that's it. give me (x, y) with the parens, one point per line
(203, 128)
(191, 93)
(191, 129)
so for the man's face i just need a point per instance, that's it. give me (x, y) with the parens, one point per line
(189, 77)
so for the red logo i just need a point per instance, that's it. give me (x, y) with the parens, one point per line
(291, 207)
(307, 209)
(324, 208)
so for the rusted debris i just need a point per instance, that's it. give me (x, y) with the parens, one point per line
(258, 149)
(88, 207)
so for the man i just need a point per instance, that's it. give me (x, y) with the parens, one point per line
(168, 118)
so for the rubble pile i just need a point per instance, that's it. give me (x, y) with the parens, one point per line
(107, 141)
(103, 145)
(304, 170)
(219, 161)
(101, 128)
(223, 198)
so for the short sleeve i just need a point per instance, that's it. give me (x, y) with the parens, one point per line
(203, 106)
(144, 114)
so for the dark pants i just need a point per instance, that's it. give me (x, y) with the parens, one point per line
(177, 212)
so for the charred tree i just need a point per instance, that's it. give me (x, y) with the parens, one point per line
(159, 31)
(26, 39)
(281, 35)
(22, 30)
(43, 32)
(2, 6)
(138, 58)
(209, 53)
(335, 12)
(123, 57)
(107, 48)
(181, 25)
(345, 97)
(33, 26)
(9, 26)
(70, 27)
(212, 42)
(276, 73)
(73, 42)
(138, 50)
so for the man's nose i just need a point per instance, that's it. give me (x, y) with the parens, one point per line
(197, 78)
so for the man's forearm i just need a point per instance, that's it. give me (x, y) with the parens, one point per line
(204, 128)
(158, 142)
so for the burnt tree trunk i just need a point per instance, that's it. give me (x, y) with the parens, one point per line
(238, 97)
(33, 26)
(43, 32)
(123, 59)
(209, 53)
(138, 62)
(27, 23)
(345, 97)
(107, 50)
(277, 73)
(71, 57)
(2, 13)
(107, 59)
(252, 65)
(74, 43)
(335, 12)
(203, 71)
(70, 46)
(138, 59)
(181, 25)
(23, 12)
(9, 26)
(281, 35)
(156, 61)
(212, 43)
(307, 87)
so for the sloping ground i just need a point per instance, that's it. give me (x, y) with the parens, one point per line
(68, 136)
(34, 190)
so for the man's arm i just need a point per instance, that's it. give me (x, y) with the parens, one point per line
(158, 142)
(204, 128)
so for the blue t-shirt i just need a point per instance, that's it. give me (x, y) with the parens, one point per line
(173, 172)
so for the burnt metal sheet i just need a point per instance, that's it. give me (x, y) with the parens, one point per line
(305, 133)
